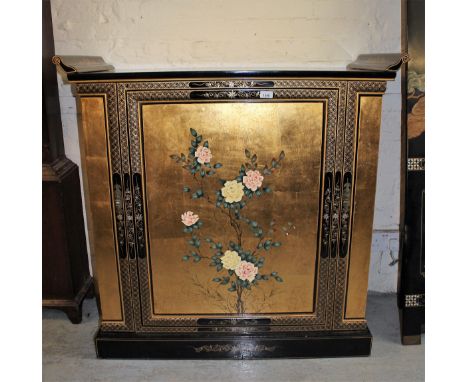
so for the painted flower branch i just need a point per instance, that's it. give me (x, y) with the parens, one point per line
(238, 266)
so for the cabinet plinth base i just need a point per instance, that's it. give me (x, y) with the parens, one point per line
(227, 346)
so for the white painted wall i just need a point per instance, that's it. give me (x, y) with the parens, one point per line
(253, 34)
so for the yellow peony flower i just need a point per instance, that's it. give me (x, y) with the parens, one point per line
(230, 260)
(232, 191)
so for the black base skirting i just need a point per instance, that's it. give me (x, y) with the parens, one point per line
(228, 346)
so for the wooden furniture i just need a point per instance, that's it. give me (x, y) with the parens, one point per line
(279, 166)
(65, 271)
(411, 280)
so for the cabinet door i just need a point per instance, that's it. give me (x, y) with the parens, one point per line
(234, 210)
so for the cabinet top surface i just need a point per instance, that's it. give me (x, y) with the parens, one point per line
(226, 74)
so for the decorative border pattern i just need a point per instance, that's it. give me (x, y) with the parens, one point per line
(415, 300)
(416, 164)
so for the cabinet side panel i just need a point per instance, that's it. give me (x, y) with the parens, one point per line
(95, 162)
(365, 184)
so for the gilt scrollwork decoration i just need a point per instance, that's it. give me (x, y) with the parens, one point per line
(238, 348)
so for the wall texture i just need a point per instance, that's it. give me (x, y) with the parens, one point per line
(260, 34)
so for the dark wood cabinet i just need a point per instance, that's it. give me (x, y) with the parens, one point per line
(65, 270)
(411, 281)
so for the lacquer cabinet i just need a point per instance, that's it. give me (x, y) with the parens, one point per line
(230, 213)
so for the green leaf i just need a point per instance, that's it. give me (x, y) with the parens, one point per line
(174, 157)
(205, 144)
(276, 244)
(225, 280)
(279, 279)
(247, 153)
(282, 155)
(254, 158)
(218, 165)
(185, 258)
(274, 274)
(193, 132)
(217, 280)
(186, 189)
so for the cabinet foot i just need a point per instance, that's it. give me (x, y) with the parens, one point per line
(73, 307)
(411, 321)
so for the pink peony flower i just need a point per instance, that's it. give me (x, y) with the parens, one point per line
(188, 218)
(246, 271)
(253, 180)
(203, 154)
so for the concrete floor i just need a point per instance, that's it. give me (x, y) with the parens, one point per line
(68, 356)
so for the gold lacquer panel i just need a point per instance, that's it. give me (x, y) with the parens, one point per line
(96, 166)
(232, 195)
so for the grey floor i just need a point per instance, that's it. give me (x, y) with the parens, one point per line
(68, 355)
